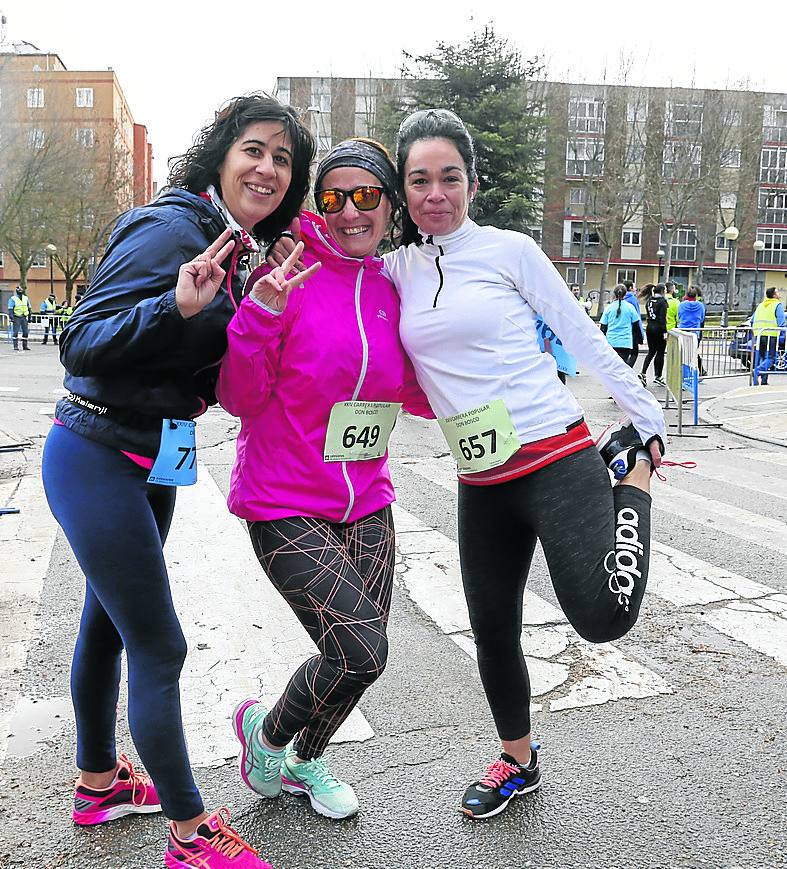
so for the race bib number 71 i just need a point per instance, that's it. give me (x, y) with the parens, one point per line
(481, 438)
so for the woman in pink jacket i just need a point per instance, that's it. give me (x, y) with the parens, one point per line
(317, 373)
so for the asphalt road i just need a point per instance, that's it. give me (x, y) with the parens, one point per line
(665, 750)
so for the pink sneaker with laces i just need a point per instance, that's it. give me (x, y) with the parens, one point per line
(130, 793)
(215, 846)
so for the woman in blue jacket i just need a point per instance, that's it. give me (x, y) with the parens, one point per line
(141, 354)
(618, 323)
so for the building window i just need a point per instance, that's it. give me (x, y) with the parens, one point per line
(320, 111)
(591, 236)
(576, 195)
(575, 275)
(684, 243)
(773, 206)
(637, 111)
(728, 201)
(773, 165)
(683, 120)
(88, 218)
(86, 136)
(35, 98)
(39, 260)
(722, 243)
(682, 160)
(774, 123)
(775, 252)
(731, 158)
(627, 275)
(536, 233)
(586, 115)
(2, 259)
(282, 93)
(365, 106)
(585, 157)
(35, 138)
(84, 98)
(631, 237)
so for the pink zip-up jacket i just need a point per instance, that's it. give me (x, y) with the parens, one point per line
(337, 340)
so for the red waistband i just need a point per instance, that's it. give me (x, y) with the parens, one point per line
(532, 457)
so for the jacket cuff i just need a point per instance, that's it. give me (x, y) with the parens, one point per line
(254, 300)
(659, 441)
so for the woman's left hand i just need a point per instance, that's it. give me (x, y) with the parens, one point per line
(655, 454)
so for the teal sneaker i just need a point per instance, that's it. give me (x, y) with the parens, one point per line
(328, 795)
(260, 768)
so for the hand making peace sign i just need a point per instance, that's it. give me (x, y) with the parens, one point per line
(200, 279)
(274, 289)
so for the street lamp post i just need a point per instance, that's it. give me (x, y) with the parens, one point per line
(731, 234)
(51, 250)
(759, 247)
(660, 254)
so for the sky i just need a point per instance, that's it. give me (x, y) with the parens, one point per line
(178, 61)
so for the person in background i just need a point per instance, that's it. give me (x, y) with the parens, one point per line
(638, 333)
(619, 324)
(19, 311)
(51, 310)
(577, 293)
(655, 330)
(691, 315)
(673, 303)
(767, 325)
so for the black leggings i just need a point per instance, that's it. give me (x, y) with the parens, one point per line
(596, 540)
(338, 579)
(657, 347)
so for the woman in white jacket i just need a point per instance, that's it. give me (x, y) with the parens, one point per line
(470, 295)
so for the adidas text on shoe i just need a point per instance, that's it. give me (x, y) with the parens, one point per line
(215, 845)
(503, 780)
(621, 448)
(312, 778)
(260, 767)
(130, 793)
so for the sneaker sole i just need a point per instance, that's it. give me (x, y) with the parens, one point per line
(299, 790)
(90, 819)
(502, 806)
(237, 726)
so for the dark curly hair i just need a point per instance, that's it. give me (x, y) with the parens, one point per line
(430, 124)
(199, 166)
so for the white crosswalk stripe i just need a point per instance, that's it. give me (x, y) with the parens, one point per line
(243, 638)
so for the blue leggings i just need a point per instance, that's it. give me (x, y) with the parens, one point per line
(116, 524)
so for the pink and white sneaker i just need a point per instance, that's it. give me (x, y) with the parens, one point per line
(215, 846)
(130, 793)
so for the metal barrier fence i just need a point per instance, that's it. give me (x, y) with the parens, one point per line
(723, 351)
(36, 325)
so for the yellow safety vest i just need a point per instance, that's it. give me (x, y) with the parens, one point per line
(49, 307)
(21, 306)
(672, 312)
(67, 312)
(764, 322)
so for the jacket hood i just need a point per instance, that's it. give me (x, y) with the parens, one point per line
(208, 215)
(314, 232)
(770, 303)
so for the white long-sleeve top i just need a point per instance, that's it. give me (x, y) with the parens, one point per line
(469, 304)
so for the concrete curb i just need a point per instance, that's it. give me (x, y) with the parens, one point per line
(13, 464)
(711, 411)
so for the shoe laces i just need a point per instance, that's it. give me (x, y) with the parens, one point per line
(497, 772)
(140, 783)
(317, 768)
(225, 840)
(666, 463)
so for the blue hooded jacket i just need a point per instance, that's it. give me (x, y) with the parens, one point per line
(126, 348)
(691, 314)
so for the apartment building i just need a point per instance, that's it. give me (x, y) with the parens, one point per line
(40, 95)
(677, 165)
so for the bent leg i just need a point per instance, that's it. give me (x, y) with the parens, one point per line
(599, 555)
(308, 563)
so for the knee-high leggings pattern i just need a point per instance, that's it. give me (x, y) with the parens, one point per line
(338, 579)
(596, 539)
(116, 524)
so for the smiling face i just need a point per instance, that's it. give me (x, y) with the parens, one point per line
(356, 232)
(436, 186)
(256, 172)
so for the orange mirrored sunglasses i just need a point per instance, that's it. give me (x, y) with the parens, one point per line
(333, 200)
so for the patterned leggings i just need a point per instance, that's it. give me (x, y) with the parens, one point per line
(337, 578)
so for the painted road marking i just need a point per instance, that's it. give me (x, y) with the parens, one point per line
(26, 540)
(9, 389)
(243, 638)
(46, 411)
(711, 469)
(428, 568)
(772, 459)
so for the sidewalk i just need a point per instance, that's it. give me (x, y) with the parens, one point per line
(756, 412)
(13, 462)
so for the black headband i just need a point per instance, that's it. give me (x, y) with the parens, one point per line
(361, 155)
